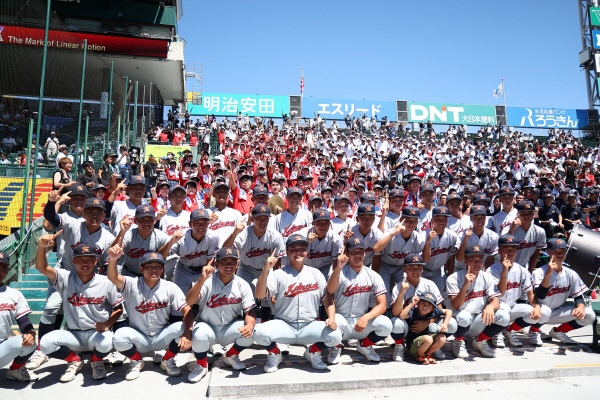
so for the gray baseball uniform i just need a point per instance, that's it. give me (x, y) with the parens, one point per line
(192, 256)
(528, 242)
(501, 222)
(457, 225)
(119, 211)
(322, 252)
(171, 222)
(134, 247)
(370, 240)
(255, 251)
(287, 223)
(488, 241)
(222, 304)
(76, 232)
(339, 227)
(12, 306)
(442, 248)
(225, 225)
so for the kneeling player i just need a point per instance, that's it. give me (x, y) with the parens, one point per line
(354, 287)
(296, 289)
(554, 284)
(222, 298)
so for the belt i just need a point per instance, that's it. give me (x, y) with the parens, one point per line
(195, 269)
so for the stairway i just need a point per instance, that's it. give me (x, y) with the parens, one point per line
(34, 287)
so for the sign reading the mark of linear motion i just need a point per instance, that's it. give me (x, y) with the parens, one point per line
(441, 113)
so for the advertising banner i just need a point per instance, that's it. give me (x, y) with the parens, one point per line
(11, 201)
(224, 104)
(104, 44)
(339, 108)
(441, 113)
(595, 16)
(161, 150)
(546, 117)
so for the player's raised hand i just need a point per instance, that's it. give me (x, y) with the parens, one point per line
(312, 235)
(415, 300)
(213, 217)
(177, 235)
(469, 277)
(48, 240)
(161, 213)
(399, 228)
(121, 187)
(153, 193)
(342, 259)
(272, 260)
(432, 235)
(249, 220)
(468, 233)
(552, 266)
(126, 223)
(54, 196)
(207, 272)
(115, 252)
(386, 205)
(517, 222)
(348, 234)
(64, 199)
(404, 285)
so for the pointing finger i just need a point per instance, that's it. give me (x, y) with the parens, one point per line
(273, 253)
(57, 234)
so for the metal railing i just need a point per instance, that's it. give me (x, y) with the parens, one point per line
(22, 249)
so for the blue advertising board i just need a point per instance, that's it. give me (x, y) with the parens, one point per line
(231, 104)
(563, 118)
(339, 108)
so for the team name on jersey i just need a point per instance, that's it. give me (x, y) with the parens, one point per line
(426, 225)
(171, 229)
(196, 254)
(221, 224)
(83, 300)
(512, 285)
(474, 295)
(504, 225)
(558, 290)
(147, 306)
(136, 253)
(398, 254)
(218, 300)
(355, 289)
(318, 254)
(257, 252)
(8, 307)
(525, 245)
(289, 230)
(298, 288)
(368, 249)
(439, 251)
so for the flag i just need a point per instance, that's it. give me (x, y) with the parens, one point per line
(500, 90)
(302, 85)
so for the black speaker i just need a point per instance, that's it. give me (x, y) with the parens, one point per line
(583, 254)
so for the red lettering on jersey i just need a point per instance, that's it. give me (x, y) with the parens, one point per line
(368, 249)
(147, 306)
(221, 224)
(289, 230)
(318, 254)
(257, 252)
(136, 253)
(427, 225)
(83, 300)
(474, 295)
(439, 251)
(8, 307)
(171, 229)
(512, 285)
(197, 254)
(398, 254)
(297, 288)
(355, 289)
(558, 290)
(525, 245)
(216, 301)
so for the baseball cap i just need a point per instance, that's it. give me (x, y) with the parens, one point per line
(98, 186)
(78, 189)
(453, 196)
(507, 240)
(414, 258)
(368, 196)
(396, 193)
(246, 176)
(556, 244)
(440, 210)
(4, 258)
(355, 243)
(178, 187)
(295, 190)
(191, 183)
(321, 215)
(152, 256)
(294, 239)
(480, 197)
(260, 191)
(526, 206)
(326, 188)
(473, 250)
(366, 209)
(144, 210)
(478, 210)
(411, 212)
(506, 190)
(414, 177)
(428, 297)
(313, 198)
(227, 252)
(261, 209)
(199, 214)
(137, 180)
(221, 185)
(93, 202)
(341, 198)
(85, 249)
(427, 187)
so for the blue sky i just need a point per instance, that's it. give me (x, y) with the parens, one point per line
(429, 51)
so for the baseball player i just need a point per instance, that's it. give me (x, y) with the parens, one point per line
(427, 192)
(195, 250)
(222, 298)
(501, 222)
(440, 248)
(477, 235)
(149, 301)
(294, 218)
(223, 219)
(341, 222)
(397, 243)
(474, 298)
(392, 209)
(354, 287)
(297, 290)
(324, 245)
(531, 238)
(369, 234)
(513, 280)
(414, 284)
(175, 218)
(457, 222)
(18, 349)
(138, 236)
(554, 284)
(136, 188)
(91, 305)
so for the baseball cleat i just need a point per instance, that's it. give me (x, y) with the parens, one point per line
(170, 367)
(369, 352)
(98, 370)
(197, 373)
(72, 369)
(484, 348)
(158, 356)
(217, 350)
(114, 358)
(498, 341)
(561, 337)
(389, 341)
(352, 343)
(135, 366)
(535, 338)
(21, 374)
(234, 362)
(459, 349)
(316, 360)
(36, 359)
(439, 354)
(511, 338)
(398, 354)
(284, 348)
(273, 361)
(333, 357)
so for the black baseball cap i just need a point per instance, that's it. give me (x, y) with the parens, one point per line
(4, 258)
(367, 196)
(295, 190)
(414, 258)
(355, 243)
(507, 240)
(525, 206)
(428, 297)
(219, 185)
(478, 210)
(260, 191)
(506, 190)
(151, 257)
(556, 244)
(473, 250)
(480, 197)
(199, 214)
(427, 187)
(227, 252)
(294, 239)
(78, 189)
(396, 193)
(261, 209)
(440, 210)
(94, 202)
(137, 180)
(178, 187)
(366, 209)
(144, 210)
(411, 212)
(85, 249)
(321, 215)
(453, 196)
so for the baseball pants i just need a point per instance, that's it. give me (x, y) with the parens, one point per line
(77, 341)
(381, 326)
(205, 335)
(391, 275)
(563, 316)
(521, 312)
(400, 327)
(472, 325)
(308, 333)
(251, 276)
(12, 348)
(185, 278)
(52, 307)
(126, 338)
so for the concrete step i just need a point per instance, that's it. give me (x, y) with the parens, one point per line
(32, 271)
(34, 293)
(33, 278)
(37, 304)
(30, 284)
